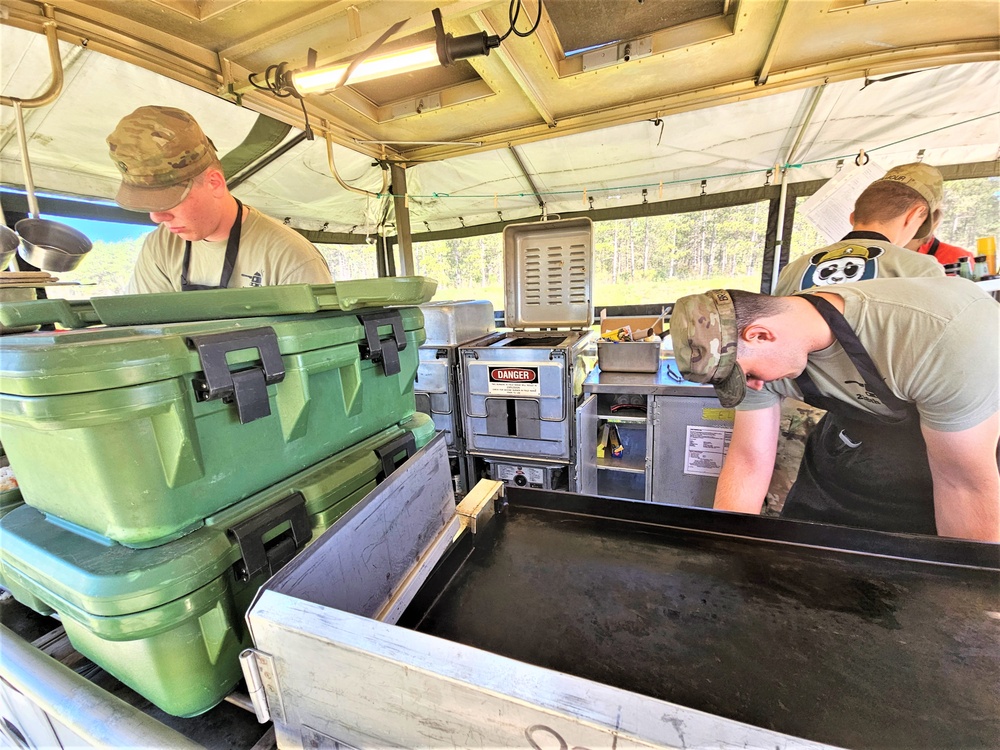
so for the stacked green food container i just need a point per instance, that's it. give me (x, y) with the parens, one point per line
(169, 467)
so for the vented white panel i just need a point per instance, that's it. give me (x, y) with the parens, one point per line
(548, 273)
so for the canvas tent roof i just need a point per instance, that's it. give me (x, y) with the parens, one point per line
(742, 88)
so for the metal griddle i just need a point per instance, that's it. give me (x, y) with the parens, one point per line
(844, 636)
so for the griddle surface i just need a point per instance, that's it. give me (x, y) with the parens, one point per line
(848, 649)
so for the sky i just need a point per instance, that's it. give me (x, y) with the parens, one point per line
(96, 231)
(106, 231)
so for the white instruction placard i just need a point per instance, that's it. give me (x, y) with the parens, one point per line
(705, 449)
(829, 208)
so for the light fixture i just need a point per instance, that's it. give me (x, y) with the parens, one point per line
(445, 50)
(322, 79)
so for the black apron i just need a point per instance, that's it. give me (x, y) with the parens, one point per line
(862, 469)
(232, 250)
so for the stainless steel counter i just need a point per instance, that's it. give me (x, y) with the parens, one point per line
(665, 382)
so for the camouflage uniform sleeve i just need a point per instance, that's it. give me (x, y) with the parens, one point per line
(797, 420)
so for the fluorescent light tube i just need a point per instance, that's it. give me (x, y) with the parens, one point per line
(378, 66)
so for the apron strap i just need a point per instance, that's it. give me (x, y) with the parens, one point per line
(935, 244)
(228, 264)
(855, 351)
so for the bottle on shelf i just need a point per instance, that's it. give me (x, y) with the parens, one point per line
(951, 269)
(980, 270)
(965, 268)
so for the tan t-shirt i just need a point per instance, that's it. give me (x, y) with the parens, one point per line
(934, 341)
(270, 254)
(853, 260)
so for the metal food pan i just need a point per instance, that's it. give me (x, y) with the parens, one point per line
(449, 323)
(548, 274)
(628, 356)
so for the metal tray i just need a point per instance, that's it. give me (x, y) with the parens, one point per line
(548, 274)
(449, 323)
(816, 631)
(628, 356)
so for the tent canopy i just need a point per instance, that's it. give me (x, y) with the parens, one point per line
(669, 100)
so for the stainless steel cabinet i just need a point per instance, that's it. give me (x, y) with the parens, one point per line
(673, 441)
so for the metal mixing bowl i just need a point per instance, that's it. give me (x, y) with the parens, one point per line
(51, 246)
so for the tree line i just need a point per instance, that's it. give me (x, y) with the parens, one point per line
(639, 260)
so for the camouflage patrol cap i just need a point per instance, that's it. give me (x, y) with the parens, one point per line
(926, 181)
(703, 329)
(159, 151)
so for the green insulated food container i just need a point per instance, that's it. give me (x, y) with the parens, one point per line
(138, 433)
(168, 621)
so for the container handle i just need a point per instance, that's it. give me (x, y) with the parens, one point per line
(258, 555)
(383, 350)
(388, 453)
(248, 388)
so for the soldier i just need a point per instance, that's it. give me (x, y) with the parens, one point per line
(908, 372)
(888, 214)
(906, 200)
(207, 239)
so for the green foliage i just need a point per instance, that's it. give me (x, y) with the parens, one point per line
(104, 271)
(350, 261)
(646, 260)
(971, 210)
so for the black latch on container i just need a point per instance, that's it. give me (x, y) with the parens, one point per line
(384, 351)
(248, 387)
(388, 453)
(271, 555)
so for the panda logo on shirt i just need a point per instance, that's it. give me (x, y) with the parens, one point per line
(842, 265)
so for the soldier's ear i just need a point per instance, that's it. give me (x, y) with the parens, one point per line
(874, 251)
(215, 179)
(817, 258)
(757, 333)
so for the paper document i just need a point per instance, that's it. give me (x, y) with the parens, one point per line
(829, 208)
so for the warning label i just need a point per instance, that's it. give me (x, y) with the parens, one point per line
(705, 449)
(514, 381)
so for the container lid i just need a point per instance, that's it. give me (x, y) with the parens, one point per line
(548, 274)
(220, 304)
(451, 322)
(103, 578)
(97, 359)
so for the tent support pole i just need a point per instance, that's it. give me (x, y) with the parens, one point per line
(779, 241)
(406, 266)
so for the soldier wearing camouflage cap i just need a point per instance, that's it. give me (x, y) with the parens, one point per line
(888, 214)
(905, 445)
(207, 239)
